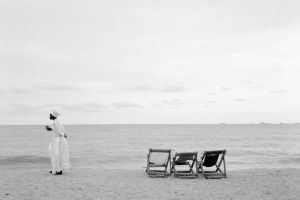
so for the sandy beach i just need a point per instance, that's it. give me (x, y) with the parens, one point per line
(81, 183)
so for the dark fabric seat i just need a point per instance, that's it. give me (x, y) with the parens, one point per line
(210, 160)
(213, 159)
(188, 159)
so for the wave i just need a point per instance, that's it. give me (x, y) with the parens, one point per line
(290, 159)
(21, 159)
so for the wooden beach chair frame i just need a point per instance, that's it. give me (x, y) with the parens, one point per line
(183, 160)
(213, 159)
(153, 173)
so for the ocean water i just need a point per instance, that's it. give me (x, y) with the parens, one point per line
(126, 146)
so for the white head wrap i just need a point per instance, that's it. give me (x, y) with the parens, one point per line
(54, 113)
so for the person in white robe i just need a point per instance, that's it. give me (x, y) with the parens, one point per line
(59, 148)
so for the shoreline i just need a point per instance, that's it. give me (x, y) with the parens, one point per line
(88, 183)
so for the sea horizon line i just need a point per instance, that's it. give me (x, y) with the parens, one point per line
(109, 124)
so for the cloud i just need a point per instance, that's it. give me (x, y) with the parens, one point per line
(3, 92)
(173, 102)
(142, 88)
(207, 106)
(277, 91)
(247, 82)
(210, 102)
(62, 87)
(157, 89)
(173, 89)
(21, 109)
(43, 88)
(85, 107)
(225, 88)
(24, 109)
(240, 99)
(22, 90)
(125, 105)
(17, 90)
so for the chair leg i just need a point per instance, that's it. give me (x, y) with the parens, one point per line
(166, 170)
(170, 168)
(147, 169)
(202, 170)
(197, 170)
(225, 174)
(219, 169)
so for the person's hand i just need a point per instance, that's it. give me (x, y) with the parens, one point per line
(48, 128)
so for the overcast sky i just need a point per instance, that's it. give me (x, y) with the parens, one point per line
(142, 61)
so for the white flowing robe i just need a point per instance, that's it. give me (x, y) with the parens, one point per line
(59, 148)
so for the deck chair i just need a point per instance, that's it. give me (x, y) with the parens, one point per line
(186, 162)
(158, 161)
(213, 160)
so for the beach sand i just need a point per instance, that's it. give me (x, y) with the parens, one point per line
(84, 183)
